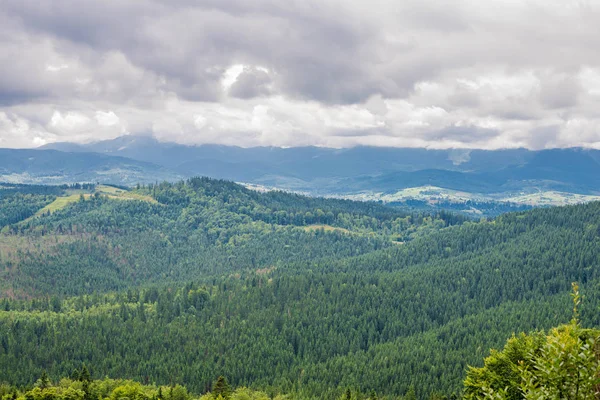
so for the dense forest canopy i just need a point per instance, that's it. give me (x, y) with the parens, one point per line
(181, 283)
(190, 230)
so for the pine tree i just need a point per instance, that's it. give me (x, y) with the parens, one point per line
(44, 381)
(56, 304)
(141, 312)
(411, 395)
(84, 376)
(348, 395)
(222, 388)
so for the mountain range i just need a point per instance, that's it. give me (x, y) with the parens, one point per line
(478, 174)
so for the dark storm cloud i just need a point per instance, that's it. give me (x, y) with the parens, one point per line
(320, 50)
(315, 51)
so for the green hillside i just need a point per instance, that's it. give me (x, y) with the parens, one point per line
(283, 293)
(193, 230)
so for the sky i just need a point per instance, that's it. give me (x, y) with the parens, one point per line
(337, 73)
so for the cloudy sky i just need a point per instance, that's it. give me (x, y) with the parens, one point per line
(338, 73)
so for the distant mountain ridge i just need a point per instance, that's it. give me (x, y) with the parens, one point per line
(58, 167)
(361, 159)
(326, 170)
(473, 180)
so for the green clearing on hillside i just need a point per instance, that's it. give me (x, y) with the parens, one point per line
(59, 204)
(109, 191)
(122, 194)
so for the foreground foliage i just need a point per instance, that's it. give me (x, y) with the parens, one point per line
(565, 364)
(79, 386)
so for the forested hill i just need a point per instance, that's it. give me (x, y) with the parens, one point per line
(182, 283)
(73, 239)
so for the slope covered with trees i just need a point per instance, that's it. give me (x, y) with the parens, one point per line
(283, 293)
(192, 230)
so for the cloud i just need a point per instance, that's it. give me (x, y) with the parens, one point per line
(459, 156)
(106, 118)
(463, 134)
(338, 73)
(72, 121)
(560, 91)
(545, 135)
(251, 82)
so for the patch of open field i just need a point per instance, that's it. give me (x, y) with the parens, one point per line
(74, 196)
(60, 203)
(106, 189)
(110, 191)
(122, 194)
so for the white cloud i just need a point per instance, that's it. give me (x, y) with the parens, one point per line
(71, 121)
(106, 118)
(200, 121)
(56, 68)
(18, 132)
(230, 75)
(331, 73)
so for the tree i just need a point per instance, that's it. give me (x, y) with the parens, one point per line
(347, 395)
(84, 375)
(141, 311)
(561, 365)
(566, 366)
(44, 381)
(178, 393)
(55, 303)
(411, 394)
(129, 391)
(221, 388)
